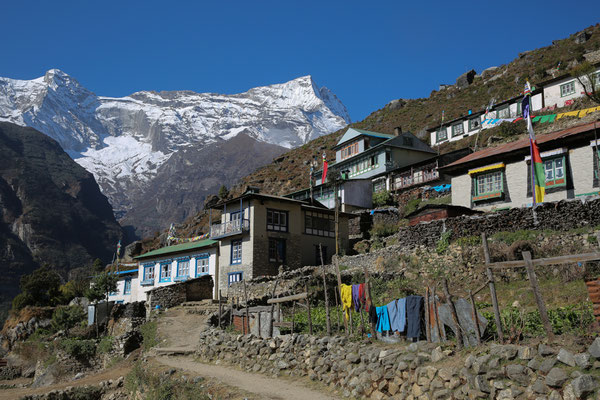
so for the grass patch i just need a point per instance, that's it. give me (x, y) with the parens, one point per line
(149, 334)
(105, 345)
(143, 383)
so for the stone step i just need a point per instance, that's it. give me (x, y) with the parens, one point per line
(173, 351)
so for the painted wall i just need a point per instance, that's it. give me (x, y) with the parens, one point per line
(552, 94)
(579, 162)
(120, 295)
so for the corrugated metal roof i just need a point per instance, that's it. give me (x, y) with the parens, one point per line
(178, 248)
(524, 143)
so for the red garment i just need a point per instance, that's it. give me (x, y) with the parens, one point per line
(361, 295)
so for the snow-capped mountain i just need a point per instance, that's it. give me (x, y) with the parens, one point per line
(123, 141)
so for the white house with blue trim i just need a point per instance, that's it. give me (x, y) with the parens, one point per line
(178, 263)
(127, 286)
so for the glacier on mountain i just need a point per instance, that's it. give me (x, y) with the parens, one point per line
(123, 141)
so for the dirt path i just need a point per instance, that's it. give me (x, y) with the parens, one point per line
(266, 388)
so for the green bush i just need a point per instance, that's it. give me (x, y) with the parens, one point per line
(149, 335)
(21, 301)
(411, 206)
(469, 241)
(444, 242)
(67, 317)
(382, 198)
(78, 348)
(105, 345)
(383, 229)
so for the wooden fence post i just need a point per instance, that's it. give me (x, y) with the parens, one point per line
(440, 326)
(339, 279)
(247, 311)
(272, 309)
(220, 310)
(490, 277)
(427, 318)
(337, 309)
(459, 336)
(368, 297)
(327, 318)
(538, 296)
(475, 317)
(310, 329)
(293, 315)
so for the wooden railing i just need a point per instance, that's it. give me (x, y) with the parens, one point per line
(229, 228)
(415, 176)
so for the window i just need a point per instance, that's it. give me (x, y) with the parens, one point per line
(318, 254)
(418, 176)
(183, 268)
(202, 264)
(165, 272)
(234, 277)
(596, 80)
(148, 274)
(567, 89)
(442, 135)
(555, 172)
(277, 220)
(488, 185)
(474, 123)
(127, 289)
(236, 252)
(504, 112)
(277, 250)
(458, 129)
(319, 224)
(350, 150)
(363, 165)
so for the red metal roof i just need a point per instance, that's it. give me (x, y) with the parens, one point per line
(524, 143)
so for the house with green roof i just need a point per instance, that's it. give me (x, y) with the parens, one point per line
(177, 263)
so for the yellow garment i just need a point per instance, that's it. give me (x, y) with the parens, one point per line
(346, 293)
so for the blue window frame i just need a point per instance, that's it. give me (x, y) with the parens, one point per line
(202, 264)
(127, 288)
(236, 252)
(148, 277)
(165, 272)
(234, 277)
(183, 268)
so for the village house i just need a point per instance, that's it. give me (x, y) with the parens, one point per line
(127, 286)
(500, 177)
(472, 123)
(353, 194)
(562, 90)
(258, 233)
(174, 264)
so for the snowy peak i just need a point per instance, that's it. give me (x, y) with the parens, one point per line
(123, 141)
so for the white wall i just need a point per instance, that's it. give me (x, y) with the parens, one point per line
(120, 295)
(552, 92)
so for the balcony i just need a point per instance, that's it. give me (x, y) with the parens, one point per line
(229, 228)
(415, 177)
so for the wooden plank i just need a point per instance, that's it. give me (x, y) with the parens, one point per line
(427, 318)
(475, 317)
(538, 296)
(272, 309)
(310, 330)
(293, 297)
(459, 336)
(247, 312)
(568, 259)
(490, 277)
(368, 298)
(282, 324)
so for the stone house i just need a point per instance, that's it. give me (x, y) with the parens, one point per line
(562, 90)
(258, 233)
(177, 263)
(500, 177)
(361, 154)
(468, 125)
(127, 286)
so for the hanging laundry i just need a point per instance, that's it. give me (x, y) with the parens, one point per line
(414, 304)
(372, 315)
(356, 297)
(346, 295)
(397, 314)
(383, 319)
(361, 295)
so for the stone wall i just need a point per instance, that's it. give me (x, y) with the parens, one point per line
(415, 371)
(173, 295)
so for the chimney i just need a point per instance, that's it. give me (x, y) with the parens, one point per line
(398, 131)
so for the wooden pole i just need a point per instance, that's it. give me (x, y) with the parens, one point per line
(440, 326)
(339, 279)
(337, 310)
(459, 336)
(490, 277)
(231, 312)
(247, 311)
(293, 314)
(538, 296)
(427, 318)
(327, 317)
(272, 309)
(368, 296)
(293, 297)
(350, 321)
(220, 310)
(310, 329)
(258, 322)
(475, 317)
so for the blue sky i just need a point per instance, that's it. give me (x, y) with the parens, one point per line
(368, 53)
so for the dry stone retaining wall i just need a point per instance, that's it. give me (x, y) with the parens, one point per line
(415, 371)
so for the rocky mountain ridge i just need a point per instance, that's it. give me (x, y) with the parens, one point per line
(124, 141)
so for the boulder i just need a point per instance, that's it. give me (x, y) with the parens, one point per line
(582, 360)
(556, 377)
(594, 349)
(584, 385)
(566, 357)
(517, 373)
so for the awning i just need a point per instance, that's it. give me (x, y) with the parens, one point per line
(486, 168)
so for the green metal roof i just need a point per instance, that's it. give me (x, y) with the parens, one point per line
(178, 248)
(371, 133)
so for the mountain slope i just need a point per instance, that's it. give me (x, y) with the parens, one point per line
(52, 211)
(124, 141)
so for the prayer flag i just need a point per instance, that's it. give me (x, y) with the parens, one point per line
(538, 177)
(324, 176)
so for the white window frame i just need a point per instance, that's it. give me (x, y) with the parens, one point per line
(202, 265)
(565, 86)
